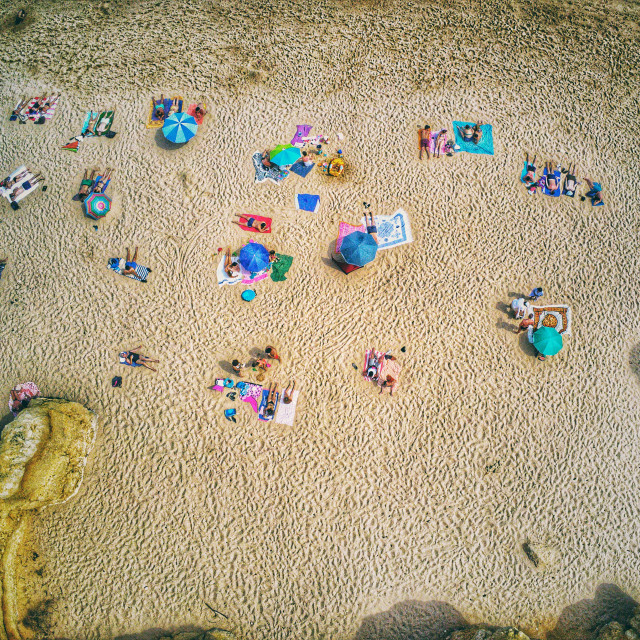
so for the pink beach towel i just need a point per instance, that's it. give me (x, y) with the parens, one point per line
(432, 141)
(191, 110)
(344, 230)
(244, 227)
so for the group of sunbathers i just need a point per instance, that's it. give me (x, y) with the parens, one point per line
(232, 265)
(159, 109)
(90, 185)
(36, 111)
(374, 365)
(17, 185)
(552, 183)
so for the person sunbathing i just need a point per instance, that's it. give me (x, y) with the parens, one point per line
(91, 125)
(477, 133)
(570, 182)
(104, 124)
(273, 257)
(102, 183)
(466, 132)
(25, 186)
(134, 359)
(529, 177)
(287, 394)
(270, 409)
(266, 161)
(552, 181)
(231, 267)
(388, 383)
(21, 105)
(439, 144)
(85, 185)
(174, 107)
(252, 223)
(373, 366)
(305, 159)
(7, 183)
(595, 193)
(130, 265)
(200, 111)
(372, 230)
(425, 139)
(158, 108)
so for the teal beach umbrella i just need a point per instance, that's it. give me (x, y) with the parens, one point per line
(284, 155)
(358, 248)
(547, 341)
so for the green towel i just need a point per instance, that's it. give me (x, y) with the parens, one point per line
(280, 268)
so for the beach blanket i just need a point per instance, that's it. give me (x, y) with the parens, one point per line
(302, 132)
(280, 267)
(191, 110)
(390, 368)
(556, 316)
(307, 202)
(485, 146)
(286, 413)
(299, 169)
(249, 391)
(545, 188)
(244, 277)
(263, 173)
(103, 123)
(118, 265)
(153, 122)
(263, 406)
(264, 219)
(432, 142)
(23, 183)
(393, 230)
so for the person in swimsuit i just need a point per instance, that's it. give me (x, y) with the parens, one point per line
(131, 264)
(237, 366)
(594, 193)
(305, 159)
(134, 359)
(174, 107)
(200, 111)
(158, 107)
(252, 223)
(85, 185)
(25, 186)
(231, 266)
(372, 230)
(552, 181)
(529, 177)
(439, 145)
(100, 185)
(466, 132)
(272, 354)
(21, 395)
(571, 182)
(373, 366)
(477, 133)
(525, 323)
(22, 104)
(388, 383)
(266, 160)
(7, 183)
(425, 139)
(273, 257)
(91, 126)
(287, 394)
(270, 409)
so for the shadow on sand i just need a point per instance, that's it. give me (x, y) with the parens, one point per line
(163, 143)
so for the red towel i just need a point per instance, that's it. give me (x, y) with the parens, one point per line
(257, 219)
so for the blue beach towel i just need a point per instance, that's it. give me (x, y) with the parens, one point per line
(263, 406)
(592, 192)
(485, 146)
(545, 189)
(307, 202)
(299, 169)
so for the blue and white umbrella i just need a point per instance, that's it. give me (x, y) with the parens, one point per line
(179, 127)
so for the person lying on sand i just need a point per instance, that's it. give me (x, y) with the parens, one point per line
(477, 133)
(594, 193)
(130, 265)
(248, 221)
(439, 144)
(158, 108)
(372, 230)
(287, 394)
(388, 383)
(231, 266)
(529, 177)
(270, 409)
(21, 105)
(103, 181)
(373, 366)
(570, 182)
(552, 182)
(425, 138)
(85, 185)
(136, 359)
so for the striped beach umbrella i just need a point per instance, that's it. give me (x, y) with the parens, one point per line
(97, 205)
(179, 127)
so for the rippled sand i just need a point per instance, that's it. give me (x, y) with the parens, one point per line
(368, 502)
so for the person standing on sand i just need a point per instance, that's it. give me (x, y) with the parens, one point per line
(519, 307)
(536, 293)
(237, 366)
(425, 139)
(525, 324)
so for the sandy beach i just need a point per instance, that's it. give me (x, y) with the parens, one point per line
(371, 511)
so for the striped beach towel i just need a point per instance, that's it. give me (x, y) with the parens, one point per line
(141, 271)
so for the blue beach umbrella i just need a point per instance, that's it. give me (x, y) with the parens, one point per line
(254, 257)
(179, 127)
(358, 248)
(284, 155)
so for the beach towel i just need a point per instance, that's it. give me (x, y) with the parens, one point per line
(300, 169)
(390, 368)
(103, 124)
(344, 229)
(264, 219)
(307, 202)
(302, 132)
(263, 406)
(432, 142)
(286, 413)
(545, 188)
(592, 192)
(393, 230)
(153, 122)
(485, 146)
(346, 268)
(250, 392)
(280, 267)
(118, 264)
(191, 110)
(48, 114)
(28, 187)
(263, 173)
(557, 316)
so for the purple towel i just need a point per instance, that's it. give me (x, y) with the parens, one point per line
(302, 132)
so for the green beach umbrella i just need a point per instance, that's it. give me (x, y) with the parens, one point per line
(547, 341)
(284, 155)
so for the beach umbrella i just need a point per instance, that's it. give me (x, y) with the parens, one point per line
(284, 154)
(179, 127)
(97, 205)
(547, 341)
(254, 257)
(358, 248)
